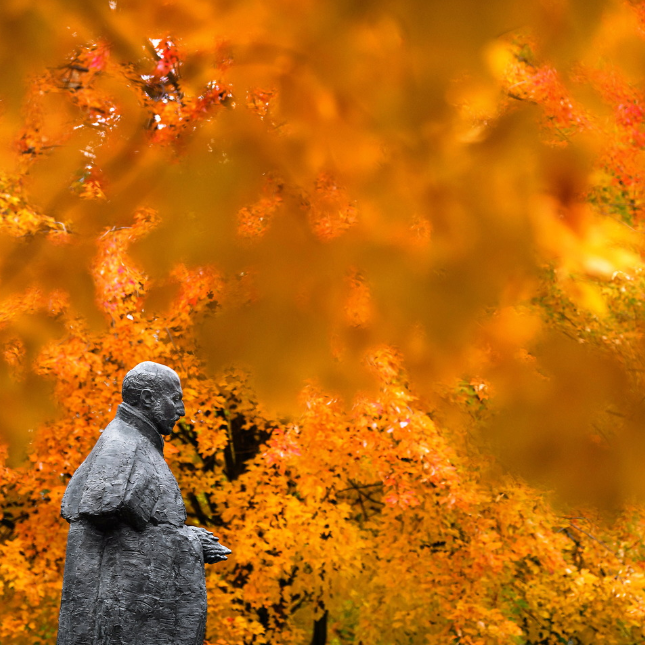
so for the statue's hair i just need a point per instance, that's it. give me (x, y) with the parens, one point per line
(144, 376)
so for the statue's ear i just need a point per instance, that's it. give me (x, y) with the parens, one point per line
(147, 398)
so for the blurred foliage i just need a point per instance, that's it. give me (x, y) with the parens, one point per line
(394, 251)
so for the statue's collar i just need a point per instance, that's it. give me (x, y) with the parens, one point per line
(133, 417)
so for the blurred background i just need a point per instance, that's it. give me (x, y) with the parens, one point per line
(393, 250)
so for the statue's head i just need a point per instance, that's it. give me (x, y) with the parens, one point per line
(155, 390)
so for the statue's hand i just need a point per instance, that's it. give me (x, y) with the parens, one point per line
(213, 550)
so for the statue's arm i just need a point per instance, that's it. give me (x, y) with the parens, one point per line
(213, 550)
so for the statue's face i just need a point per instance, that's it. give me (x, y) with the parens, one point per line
(167, 404)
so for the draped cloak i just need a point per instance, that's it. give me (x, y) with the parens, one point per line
(134, 572)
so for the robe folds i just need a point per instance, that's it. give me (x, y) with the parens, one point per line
(134, 572)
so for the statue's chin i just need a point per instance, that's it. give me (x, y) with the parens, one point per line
(165, 427)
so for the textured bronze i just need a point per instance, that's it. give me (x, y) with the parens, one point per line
(134, 572)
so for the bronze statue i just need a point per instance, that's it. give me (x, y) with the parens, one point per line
(134, 572)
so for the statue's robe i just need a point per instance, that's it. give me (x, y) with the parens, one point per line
(134, 572)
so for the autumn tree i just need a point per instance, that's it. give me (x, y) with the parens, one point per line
(393, 250)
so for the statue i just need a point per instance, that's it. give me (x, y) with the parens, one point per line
(134, 572)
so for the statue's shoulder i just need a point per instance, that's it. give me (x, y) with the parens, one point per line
(120, 433)
(117, 443)
(102, 479)
(115, 438)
